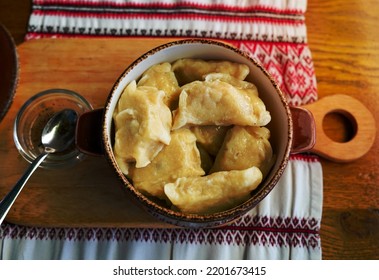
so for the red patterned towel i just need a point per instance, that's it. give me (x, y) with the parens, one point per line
(285, 225)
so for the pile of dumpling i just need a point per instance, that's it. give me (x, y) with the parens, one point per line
(192, 133)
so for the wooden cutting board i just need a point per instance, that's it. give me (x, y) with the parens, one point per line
(88, 194)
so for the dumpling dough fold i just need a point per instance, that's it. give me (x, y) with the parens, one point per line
(243, 147)
(142, 125)
(180, 158)
(246, 86)
(163, 78)
(210, 137)
(213, 193)
(218, 103)
(188, 70)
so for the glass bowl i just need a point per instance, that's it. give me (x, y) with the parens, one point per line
(32, 118)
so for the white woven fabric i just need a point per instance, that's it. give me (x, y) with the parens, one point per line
(283, 226)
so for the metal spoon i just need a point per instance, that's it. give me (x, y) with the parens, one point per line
(57, 135)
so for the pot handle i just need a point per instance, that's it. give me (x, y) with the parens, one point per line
(304, 130)
(88, 136)
(357, 113)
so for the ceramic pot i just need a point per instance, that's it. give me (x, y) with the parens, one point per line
(292, 129)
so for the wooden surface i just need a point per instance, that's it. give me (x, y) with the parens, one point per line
(342, 36)
(50, 199)
(356, 112)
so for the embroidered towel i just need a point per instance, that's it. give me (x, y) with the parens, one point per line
(286, 224)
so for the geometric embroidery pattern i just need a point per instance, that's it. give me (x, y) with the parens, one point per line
(207, 18)
(264, 231)
(290, 65)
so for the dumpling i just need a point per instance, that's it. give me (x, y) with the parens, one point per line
(210, 137)
(180, 158)
(188, 70)
(213, 193)
(124, 164)
(163, 78)
(250, 88)
(206, 159)
(142, 125)
(218, 103)
(243, 147)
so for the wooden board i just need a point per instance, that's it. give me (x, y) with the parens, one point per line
(88, 194)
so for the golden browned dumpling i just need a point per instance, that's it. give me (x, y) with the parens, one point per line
(206, 159)
(163, 78)
(212, 193)
(210, 137)
(142, 125)
(248, 87)
(124, 164)
(243, 147)
(218, 103)
(180, 158)
(188, 70)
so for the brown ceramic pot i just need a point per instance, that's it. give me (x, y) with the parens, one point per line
(95, 133)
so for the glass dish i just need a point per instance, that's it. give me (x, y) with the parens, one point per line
(32, 118)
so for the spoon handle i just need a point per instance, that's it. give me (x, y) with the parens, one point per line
(10, 198)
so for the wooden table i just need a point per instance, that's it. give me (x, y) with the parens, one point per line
(343, 38)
